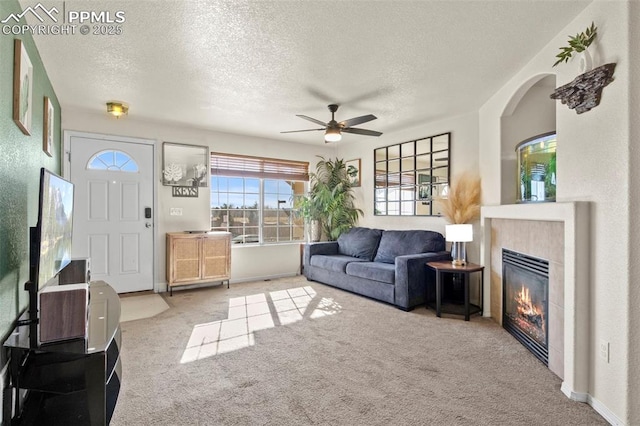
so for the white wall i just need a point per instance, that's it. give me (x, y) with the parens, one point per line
(593, 165)
(463, 157)
(633, 303)
(247, 263)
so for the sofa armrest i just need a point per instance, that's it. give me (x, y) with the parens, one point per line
(323, 247)
(412, 277)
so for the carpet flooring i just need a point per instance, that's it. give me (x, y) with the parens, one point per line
(293, 352)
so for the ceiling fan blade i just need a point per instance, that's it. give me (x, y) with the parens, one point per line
(312, 119)
(361, 131)
(357, 120)
(307, 130)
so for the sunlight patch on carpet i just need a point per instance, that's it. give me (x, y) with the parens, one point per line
(139, 307)
(252, 313)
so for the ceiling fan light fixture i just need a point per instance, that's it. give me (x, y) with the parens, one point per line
(117, 109)
(333, 129)
(332, 135)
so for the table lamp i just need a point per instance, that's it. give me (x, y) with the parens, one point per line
(459, 235)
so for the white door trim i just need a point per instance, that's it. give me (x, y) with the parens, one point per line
(66, 170)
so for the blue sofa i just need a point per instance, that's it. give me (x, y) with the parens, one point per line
(385, 265)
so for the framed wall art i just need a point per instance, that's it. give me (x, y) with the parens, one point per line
(355, 179)
(22, 87)
(185, 165)
(48, 125)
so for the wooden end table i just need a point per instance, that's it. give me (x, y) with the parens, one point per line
(446, 267)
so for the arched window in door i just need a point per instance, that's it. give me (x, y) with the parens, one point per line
(113, 160)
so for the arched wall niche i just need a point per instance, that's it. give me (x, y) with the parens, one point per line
(529, 112)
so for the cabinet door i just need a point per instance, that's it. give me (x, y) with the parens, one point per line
(216, 253)
(186, 259)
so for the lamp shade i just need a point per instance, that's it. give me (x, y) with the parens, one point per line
(459, 233)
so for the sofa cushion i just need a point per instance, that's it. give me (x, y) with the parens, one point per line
(359, 242)
(400, 243)
(383, 272)
(335, 263)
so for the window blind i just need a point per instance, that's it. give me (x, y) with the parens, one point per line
(393, 179)
(258, 167)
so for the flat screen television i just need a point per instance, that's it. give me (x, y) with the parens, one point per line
(50, 239)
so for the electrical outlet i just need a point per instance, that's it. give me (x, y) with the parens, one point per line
(175, 211)
(604, 350)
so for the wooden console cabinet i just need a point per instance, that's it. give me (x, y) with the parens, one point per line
(71, 382)
(194, 258)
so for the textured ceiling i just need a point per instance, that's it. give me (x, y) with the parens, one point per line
(249, 67)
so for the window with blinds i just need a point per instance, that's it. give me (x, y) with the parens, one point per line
(258, 167)
(255, 198)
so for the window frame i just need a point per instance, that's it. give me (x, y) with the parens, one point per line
(263, 170)
(113, 166)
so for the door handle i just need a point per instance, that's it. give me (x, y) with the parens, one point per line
(148, 225)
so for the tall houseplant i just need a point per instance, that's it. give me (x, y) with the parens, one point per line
(331, 195)
(310, 212)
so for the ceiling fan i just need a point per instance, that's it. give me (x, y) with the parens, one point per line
(334, 129)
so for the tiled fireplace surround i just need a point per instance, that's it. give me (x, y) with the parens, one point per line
(557, 232)
(544, 240)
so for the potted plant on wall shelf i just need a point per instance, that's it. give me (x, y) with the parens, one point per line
(460, 207)
(331, 197)
(584, 92)
(579, 44)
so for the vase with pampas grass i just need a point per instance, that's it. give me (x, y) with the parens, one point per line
(460, 207)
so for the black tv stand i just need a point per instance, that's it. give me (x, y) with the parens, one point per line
(73, 381)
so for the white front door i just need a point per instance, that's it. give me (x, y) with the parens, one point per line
(113, 209)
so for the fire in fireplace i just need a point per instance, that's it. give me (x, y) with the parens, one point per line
(525, 289)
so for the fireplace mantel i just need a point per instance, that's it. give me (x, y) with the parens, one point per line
(575, 219)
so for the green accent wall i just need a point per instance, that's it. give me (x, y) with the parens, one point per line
(21, 158)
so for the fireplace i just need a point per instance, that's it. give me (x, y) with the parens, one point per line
(525, 293)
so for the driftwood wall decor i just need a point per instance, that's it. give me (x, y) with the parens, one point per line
(585, 91)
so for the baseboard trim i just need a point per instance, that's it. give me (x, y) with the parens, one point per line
(575, 396)
(596, 404)
(264, 278)
(604, 411)
(162, 287)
